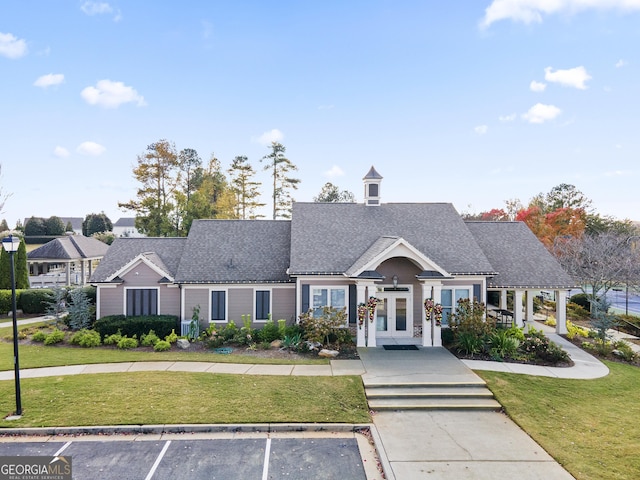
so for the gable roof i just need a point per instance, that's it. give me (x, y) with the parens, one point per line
(330, 237)
(125, 222)
(519, 257)
(236, 251)
(70, 247)
(165, 253)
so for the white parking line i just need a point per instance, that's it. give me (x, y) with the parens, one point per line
(158, 460)
(265, 467)
(62, 449)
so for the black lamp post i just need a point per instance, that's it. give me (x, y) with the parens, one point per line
(11, 245)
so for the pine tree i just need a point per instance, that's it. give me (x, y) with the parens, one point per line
(282, 184)
(245, 189)
(22, 269)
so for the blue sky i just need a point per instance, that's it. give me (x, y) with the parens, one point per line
(473, 105)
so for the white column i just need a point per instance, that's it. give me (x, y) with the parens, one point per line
(561, 312)
(503, 300)
(529, 309)
(427, 336)
(361, 329)
(437, 330)
(517, 308)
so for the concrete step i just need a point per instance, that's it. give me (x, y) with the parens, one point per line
(428, 392)
(432, 396)
(434, 404)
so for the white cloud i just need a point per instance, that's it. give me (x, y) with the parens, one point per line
(12, 47)
(110, 94)
(507, 118)
(96, 8)
(537, 86)
(532, 11)
(572, 77)
(101, 8)
(481, 129)
(621, 63)
(90, 148)
(540, 113)
(334, 171)
(267, 138)
(48, 80)
(61, 152)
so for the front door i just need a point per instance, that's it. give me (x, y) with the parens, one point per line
(393, 314)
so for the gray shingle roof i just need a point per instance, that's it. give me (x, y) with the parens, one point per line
(164, 252)
(71, 247)
(125, 222)
(236, 251)
(519, 257)
(330, 238)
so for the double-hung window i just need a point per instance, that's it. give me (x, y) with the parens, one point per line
(449, 300)
(142, 301)
(263, 305)
(218, 306)
(335, 297)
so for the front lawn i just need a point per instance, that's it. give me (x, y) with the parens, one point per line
(174, 398)
(589, 426)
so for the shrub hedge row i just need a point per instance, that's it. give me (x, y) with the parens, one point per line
(35, 300)
(130, 326)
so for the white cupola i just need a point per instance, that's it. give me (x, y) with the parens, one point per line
(372, 182)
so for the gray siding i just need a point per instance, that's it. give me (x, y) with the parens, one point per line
(283, 304)
(240, 302)
(197, 296)
(141, 276)
(111, 301)
(169, 300)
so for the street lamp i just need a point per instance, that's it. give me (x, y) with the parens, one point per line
(11, 245)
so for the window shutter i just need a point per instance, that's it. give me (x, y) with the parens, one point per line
(353, 304)
(305, 298)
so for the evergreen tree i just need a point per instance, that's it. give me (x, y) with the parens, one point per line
(21, 266)
(281, 166)
(5, 272)
(4, 227)
(332, 194)
(96, 223)
(35, 227)
(54, 226)
(79, 310)
(69, 227)
(245, 189)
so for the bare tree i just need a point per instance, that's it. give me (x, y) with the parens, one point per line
(3, 196)
(599, 262)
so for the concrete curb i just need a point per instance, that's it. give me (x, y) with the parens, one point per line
(188, 428)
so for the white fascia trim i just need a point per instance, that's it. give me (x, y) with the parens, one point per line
(413, 253)
(140, 258)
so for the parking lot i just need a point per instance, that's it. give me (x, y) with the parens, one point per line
(185, 456)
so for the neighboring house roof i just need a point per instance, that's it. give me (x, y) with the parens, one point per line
(125, 222)
(69, 248)
(520, 259)
(165, 253)
(236, 251)
(330, 238)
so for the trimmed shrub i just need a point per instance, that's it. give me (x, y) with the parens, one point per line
(149, 339)
(113, 339)
(35, 300)
(86, 338)
(269, 332)
(581, 299)
(172, 337)
(162, 346)
(127, 343)
(162, 325)
(56, 336)
(39, 336)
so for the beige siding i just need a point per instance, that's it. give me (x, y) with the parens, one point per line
(283, 304)
(141, 276)
(240, 302)
(169, 300)
(406, 272)
(197, 296)
(111, 301)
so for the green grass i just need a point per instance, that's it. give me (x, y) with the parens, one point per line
(35, 356)
(174, 397)
(589, 426)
